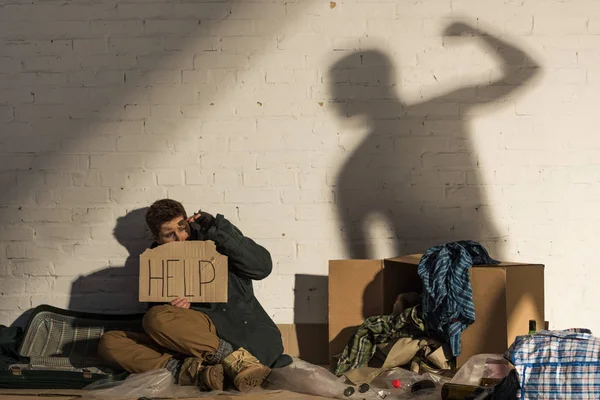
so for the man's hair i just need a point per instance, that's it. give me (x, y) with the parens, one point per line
(162, 211)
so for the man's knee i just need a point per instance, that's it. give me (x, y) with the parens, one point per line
(109, 344)
(154, 320)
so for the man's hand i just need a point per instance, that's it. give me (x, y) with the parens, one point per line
(179, 302)
(202, 218)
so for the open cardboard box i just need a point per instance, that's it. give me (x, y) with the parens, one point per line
(506, 297)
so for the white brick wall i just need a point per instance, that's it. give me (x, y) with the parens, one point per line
(232, 106)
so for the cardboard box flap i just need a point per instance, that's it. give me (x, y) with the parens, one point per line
(192, 269)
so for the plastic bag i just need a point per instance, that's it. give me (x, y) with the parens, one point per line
(410, 385)
(482, 366)
(306, 378)
(152, 384)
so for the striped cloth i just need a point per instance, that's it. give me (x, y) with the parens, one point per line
(557, 364)
(62, 342)
(378, 330)
(447, 294)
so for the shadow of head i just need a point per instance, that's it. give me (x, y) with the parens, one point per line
(132, 232)
(361, 80)
(115, 288)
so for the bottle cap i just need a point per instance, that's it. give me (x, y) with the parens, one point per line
(396, 383)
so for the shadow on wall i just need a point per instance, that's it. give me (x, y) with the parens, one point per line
(417, 166)
(115, 289)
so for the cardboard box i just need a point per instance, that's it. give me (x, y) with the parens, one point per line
(193, 270)
(506, 297)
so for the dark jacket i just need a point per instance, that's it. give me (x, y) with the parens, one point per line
(242, 321)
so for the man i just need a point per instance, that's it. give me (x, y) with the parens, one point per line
(201, 343)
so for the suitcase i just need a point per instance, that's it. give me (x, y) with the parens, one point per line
(61, 347)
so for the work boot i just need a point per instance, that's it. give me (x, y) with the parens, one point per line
(206, 377)
(245, 370)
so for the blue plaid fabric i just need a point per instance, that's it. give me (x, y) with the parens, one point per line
(557, 364)
(447, 300)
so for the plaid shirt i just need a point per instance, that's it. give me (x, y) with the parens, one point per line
(447, 294)
(557, 364)
(378, 330)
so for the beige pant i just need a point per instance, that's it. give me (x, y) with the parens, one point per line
(170, 331)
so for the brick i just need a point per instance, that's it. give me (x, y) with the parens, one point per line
(99, 251)
(90, 46)
(170, 177)
(60, 95)
(243, 44)
(27, 47)
(14, 303)
(165, 111)
(265, 212)
(35, 250)
(137, 196)
(195, 194)
(82, 195)
(172, 160)
(110, 62)
(7, 113)
(296, 196)
(92, 215)
(316, 212)
(16, 96)
(9, 65)
(96, 78)
(54, 29)
(147, 78)
(76, 267)
(171, 61)
(46, 215)
(191, 43)
(194, 77)
(137, 11)
(8, 179)
(133, 143)
(58, 179)
(227, 179)
(153, 27)
(117, 161)
(230, 161)
(258, 11)
(559, 25)
(289, 160)
(39, 79)
(136, 45)
(31, 112)
(32, 268)
(50, 63)
(114, 28)
(196, 176)
(16, 233)
(31, 178)
(89, 144)
(220, 60)
(15, 162)
(200, 11)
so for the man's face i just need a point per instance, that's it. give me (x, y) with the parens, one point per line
(176, 230)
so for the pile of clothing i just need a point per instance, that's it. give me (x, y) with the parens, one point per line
(423, 331)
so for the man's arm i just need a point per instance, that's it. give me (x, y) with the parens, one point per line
(247, 258)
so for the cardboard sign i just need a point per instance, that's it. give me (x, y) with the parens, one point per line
(193, 270)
